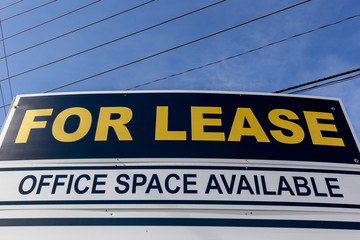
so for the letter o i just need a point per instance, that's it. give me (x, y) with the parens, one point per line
(21, 185)
(83, 128)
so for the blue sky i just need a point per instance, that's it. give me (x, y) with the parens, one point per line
(319, 54)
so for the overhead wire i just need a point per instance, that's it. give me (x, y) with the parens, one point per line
(167, 50)
(318, 80)
(3, 101)
(308, 83)
(327, 83)
(1, 90)
(114, 40)
(297, 35)
(5, 105)
(4, 48)
(242, 53)
(6, 61)
(11, 4)
(29, 10)
(51, 20)
(178, 46)
(75, 30)
(305, 89)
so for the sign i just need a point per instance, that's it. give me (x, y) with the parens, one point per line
(233, 187)
(178, 125)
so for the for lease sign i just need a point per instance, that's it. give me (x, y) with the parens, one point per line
(178, 125)
(170, 150)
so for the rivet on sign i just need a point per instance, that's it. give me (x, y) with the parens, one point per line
(332, 108)
(356, 160)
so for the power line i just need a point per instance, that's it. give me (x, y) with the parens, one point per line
(112, 41)
(243, 53)
(216, 33)
(1, 91)
(3, 101)
(43, 23)
(176, 47)
(6, 62)
(29, 10)
(179, 46)
(301, 90)
(6, 105)
(73, 31)
(328, 83)
(318, 80)
(12, 4)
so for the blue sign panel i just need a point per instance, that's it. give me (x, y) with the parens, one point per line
(178, 125)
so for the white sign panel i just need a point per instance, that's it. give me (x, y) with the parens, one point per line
(224, 187)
